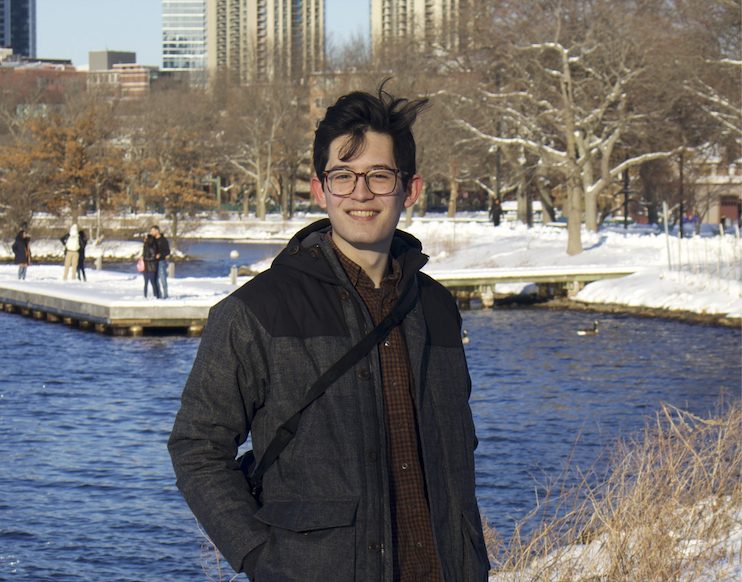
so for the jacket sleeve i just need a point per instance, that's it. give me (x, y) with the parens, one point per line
(217, 407)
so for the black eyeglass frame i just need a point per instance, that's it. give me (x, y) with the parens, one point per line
(397, 173)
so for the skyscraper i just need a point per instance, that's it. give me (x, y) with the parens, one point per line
(18, 26)
(184, 35)
(429, 23)
(262, 40)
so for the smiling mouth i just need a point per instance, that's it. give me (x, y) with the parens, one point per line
(363, 213)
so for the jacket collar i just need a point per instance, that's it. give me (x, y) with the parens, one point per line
(307, 247)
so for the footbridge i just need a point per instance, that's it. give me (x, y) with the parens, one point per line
(559, 281)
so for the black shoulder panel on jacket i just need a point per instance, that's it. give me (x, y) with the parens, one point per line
(441, 313)
(289, 303)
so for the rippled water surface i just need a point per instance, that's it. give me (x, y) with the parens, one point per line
(86, 487)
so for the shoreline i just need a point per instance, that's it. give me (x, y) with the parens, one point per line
(649, 312)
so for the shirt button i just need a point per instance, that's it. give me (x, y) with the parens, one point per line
(364, 374)
(344, 295)
(404, 466)
(419, 544)
(387, 343)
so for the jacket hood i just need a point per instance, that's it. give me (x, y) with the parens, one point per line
(304, 250)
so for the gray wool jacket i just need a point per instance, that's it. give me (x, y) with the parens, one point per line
(325, 507)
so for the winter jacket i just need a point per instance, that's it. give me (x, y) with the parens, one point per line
(71, 240)
(22, 249)
(149, 253)
(325, 512)
(163, 248)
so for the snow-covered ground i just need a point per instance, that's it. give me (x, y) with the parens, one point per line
(699, 274)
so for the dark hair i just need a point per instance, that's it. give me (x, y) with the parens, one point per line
(356, 113)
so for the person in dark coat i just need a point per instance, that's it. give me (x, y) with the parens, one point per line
(22, 250)
(81, 276)
(377, 483)
(496, 211)
(149, 254)
(163, 252)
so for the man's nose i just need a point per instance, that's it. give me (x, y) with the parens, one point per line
(361, 191)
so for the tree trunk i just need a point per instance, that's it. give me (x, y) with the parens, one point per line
(574, 217)
(245, 203)
(453, 172)
(547, 203)
(453, 197)
(260, 211)
(591, 210)
(521, 197)
(422, 203)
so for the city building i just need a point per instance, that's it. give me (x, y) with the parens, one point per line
(105, 60)
(184, 42)
(18, 26)
(263, 40)
(429, 23)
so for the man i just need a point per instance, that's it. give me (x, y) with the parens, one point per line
(377, 484)
(163, 252)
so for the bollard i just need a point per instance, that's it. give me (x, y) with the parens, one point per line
(234, 255)
(98, 262)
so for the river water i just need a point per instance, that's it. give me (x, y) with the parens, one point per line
(86, 486)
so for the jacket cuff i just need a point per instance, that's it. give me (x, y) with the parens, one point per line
(250, 561)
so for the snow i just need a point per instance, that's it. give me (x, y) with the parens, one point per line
(112, 288)
(699, 274)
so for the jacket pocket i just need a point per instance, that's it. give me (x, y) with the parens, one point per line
(476, 563)
(308, 540)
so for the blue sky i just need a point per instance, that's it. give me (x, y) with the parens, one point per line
(68, 29)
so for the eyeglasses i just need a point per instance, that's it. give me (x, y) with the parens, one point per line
(380, 182)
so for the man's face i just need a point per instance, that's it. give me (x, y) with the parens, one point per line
(362, 221)
(153, 232)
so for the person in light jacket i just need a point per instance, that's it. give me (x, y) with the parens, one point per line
(71, 242)
(377, 484)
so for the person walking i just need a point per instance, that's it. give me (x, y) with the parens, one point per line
(71, 242)
(81, 276)
(344, 364)
(163, 252)
(149, 254)
(22, 250)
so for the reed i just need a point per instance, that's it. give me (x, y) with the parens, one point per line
(668, 509)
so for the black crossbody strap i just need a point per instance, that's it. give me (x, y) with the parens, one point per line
(288, 429)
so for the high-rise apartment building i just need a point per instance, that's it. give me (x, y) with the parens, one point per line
(262, 40)
(18, 26)
(184, 42)
(428, 23)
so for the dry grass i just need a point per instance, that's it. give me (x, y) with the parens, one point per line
(670, 509)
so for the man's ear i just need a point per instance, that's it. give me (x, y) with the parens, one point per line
(318, 192)
(414, 188)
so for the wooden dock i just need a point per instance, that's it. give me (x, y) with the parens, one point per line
(106, 316)
(113, 310)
